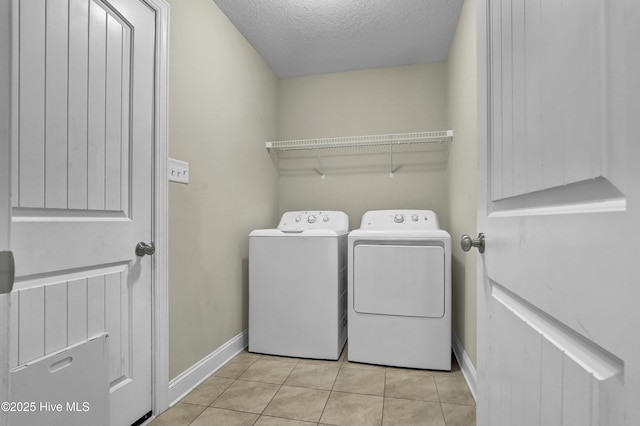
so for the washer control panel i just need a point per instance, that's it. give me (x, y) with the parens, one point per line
(301, 220)
(400, 219)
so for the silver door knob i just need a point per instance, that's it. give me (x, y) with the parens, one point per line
(466, 242)
(143, 248)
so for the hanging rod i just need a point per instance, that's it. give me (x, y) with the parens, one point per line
(352, 141)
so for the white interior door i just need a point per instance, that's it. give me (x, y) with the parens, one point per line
(559, 203)
(82, 187)
(5, 189)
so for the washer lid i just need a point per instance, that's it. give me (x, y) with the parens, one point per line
(299, 233)
(300, 221)
(400, 220)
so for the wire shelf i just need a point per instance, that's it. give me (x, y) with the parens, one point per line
(389, 152)
(354, 141)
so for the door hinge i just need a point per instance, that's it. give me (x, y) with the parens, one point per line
(7, 272)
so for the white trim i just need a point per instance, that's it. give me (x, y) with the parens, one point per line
(606, 206)
(483, 136)
(200, 371)
(466, 366)
(160, 288)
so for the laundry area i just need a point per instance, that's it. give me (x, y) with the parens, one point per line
(282, 170)
(299, 212)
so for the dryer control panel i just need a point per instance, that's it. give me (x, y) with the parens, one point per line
(301, 220)
(400, 219)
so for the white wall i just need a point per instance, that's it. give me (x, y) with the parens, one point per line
(222, 107)
(379, 101)
(461, 173)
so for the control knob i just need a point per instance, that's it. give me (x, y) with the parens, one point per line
(399, 218)
(325, 219)
(311, 219)
(414, 217)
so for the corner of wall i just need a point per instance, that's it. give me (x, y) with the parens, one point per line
(461, 174)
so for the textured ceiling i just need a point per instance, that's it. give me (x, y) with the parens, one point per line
(303, 37)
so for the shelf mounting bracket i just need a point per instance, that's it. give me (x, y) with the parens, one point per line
(320, 168)
(390, 155)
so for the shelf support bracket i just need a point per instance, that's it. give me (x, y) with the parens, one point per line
(320, 168)
(390, 155)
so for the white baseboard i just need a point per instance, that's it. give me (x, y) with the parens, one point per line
(466, 366)
(200, 371)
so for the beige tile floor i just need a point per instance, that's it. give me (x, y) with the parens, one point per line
(265, 390)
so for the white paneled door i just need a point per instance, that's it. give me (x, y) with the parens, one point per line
(5, 189)
(82, 187)
(559, 203)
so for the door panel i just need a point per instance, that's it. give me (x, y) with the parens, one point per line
(83, 188)
(551, 370)
(550, 94)
(74, 145)
(53, 316)
(558, 87)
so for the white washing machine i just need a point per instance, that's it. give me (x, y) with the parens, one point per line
(298, 286)
(400, 290)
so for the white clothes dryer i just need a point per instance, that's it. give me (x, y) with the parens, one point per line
(399, 279)
(298, 286)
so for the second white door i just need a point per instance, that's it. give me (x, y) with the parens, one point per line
(559, 203)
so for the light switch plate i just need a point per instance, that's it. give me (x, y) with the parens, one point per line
(178, 171)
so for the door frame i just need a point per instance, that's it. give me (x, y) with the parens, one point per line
(160, 272)
(160, 293)
(483, 136)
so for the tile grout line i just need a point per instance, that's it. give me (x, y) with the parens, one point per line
(214, 400)
(295, 364)
(331, 390)
(225, 389)
(442, 412)
(384, 393)
(191, 422)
